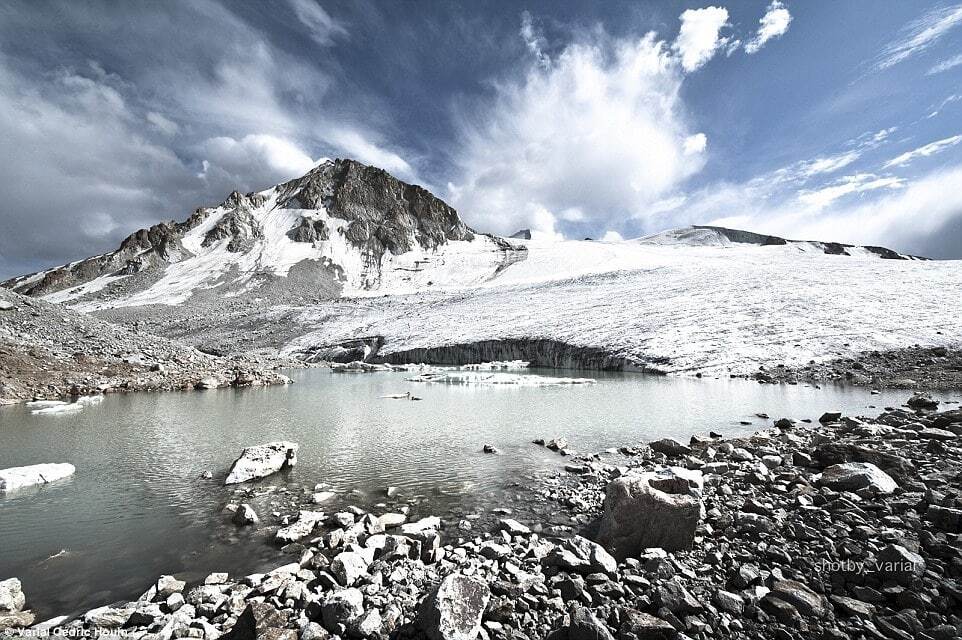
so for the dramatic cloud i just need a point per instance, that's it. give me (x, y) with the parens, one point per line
(923, 152)
(698, 39)
(322, 27)
(920, 35)
(533, 40)
(255, 161)
(856, 183)
(945, 65)
(773, 24)
(581, 145)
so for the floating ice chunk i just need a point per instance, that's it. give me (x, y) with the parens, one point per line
(471, 377)
(66, 407)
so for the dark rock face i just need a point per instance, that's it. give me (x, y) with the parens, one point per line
(522, 234)
(237, 226)
(384, 213)
(309, 231)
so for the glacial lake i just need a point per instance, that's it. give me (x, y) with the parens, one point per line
(137, 507)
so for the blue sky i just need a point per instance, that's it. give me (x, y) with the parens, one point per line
(832, 121)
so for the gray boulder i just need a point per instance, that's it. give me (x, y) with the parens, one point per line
(581, 625)
(853, 476)
(341, 608)
(245, 515)
(453, 610)
(12, 598)
(655, 509)
(262, 461)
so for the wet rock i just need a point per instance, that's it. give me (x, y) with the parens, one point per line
(670, 447)
(655, 509)
(245, 515)
(453, 610)
(923, 401)
(19, 477)
(262, 460)
(830, 416)
(556, 444)
(853, 476)
(301, 528)
(489, 448)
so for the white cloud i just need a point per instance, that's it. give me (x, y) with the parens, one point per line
(582, 145)
(827, 164)
(923, 152)
(919, 35)
(358, 147)
(699, 39)
(612, 236)
(533, 40)
(256, 160)
(695, 144)
(945, 65)
(853, 184)
(955, 97)
(323, 28)
(773, 24)
(162, 124)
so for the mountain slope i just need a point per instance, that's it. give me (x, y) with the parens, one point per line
(347, 261)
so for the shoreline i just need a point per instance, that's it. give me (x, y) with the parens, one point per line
(774, 553)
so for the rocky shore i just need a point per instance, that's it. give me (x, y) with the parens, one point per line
(48, 351)
(915, 367)
(845, 528)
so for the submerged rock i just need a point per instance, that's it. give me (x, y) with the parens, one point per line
(262, 461)
(245, 515)
(654, 509)
(18, 477)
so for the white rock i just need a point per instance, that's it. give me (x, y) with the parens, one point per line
(17, 477)
(262, 460)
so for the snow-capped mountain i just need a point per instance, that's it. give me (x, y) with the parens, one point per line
(343, 229)
(348, 261)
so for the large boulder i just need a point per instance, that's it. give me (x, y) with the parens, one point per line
(11, 596)
(581, 625)
(262, 461)
(653, 509)
(854, 476)
(830, 453)
(260, 621)
(18, 477)
(300, 528)
(341, 608)
(453, 610)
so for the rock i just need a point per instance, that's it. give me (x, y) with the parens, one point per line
(582, 625)
(107, 617)
(349, 567)
(489, 448)
(260, 621)
(945, 518)
(341, 608)
(453, 610)
(19, 477)
(245, 515)
(389, 520)
(368, 625)
(557, 444)
(729, 602)
(18, 619)
(937, 434)
(645, 627)
(322, 496)
(209, 382)
(12, 598)
(805, 601)
(658, 509)
(853, 608)
(670, 447)
(676, 598)
(6, 305)
(830, 416)
(895, 563)
(923, 401)
(513, 527)
(262, 460)
(838, 452)
(853, 476)
(169, 585)
(302, 527)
